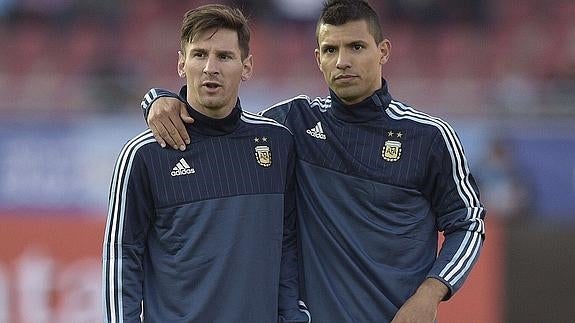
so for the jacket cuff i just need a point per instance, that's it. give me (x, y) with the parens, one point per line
(299, 315)
(152, 95)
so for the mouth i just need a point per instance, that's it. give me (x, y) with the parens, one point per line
(211, 85)
(345, 77)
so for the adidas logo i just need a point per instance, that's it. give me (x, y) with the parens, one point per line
(316, 131)
(182, 168)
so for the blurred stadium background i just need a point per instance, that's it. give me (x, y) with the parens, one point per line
(72, 74)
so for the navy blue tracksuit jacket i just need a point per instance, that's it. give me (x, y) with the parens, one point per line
(207, 234)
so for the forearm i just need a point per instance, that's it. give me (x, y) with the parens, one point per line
(433, 289)
(459, 253)
(289, 272)
(290, 309)
(422, 305)
(122, 293)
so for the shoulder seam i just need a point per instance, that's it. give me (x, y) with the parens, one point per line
(323, 103)
(253, 118)
(295, 98)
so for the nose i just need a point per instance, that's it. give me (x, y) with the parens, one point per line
(343, 61)
(211, 66)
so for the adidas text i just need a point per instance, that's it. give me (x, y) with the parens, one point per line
(182, 172)
(315, 134)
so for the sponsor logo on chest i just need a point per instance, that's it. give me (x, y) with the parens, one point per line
(317, 131)
(182, 168)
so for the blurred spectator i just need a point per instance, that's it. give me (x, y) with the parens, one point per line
(299, 10)
(6, 7)
(54, 12)
(438, 12)
(505, 193)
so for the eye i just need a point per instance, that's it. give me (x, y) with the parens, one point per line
(329, 50)
(224, 57)
(198, 55)
(357, 47)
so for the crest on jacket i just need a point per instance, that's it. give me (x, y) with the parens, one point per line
(263, 152)
(392, 148)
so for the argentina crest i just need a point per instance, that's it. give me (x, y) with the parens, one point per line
(263, 152)
(392, 148)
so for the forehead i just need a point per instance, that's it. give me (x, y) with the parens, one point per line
(216, 39)
(353, 31)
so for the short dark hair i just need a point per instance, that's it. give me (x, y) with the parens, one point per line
(216, 16)
(339, 12)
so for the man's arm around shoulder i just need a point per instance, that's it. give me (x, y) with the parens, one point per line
(165, 113)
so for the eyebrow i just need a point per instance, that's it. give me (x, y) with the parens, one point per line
(351, 43)
(198, 50)
(226, 52)
(218, 52)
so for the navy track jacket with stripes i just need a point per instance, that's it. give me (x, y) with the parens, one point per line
(376, 182)
(207, 234)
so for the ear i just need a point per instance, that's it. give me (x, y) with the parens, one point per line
(181, 63)
(385, 51)
(248, 67)
(317, 58)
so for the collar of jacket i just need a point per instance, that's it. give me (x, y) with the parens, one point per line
(211, 126)
(371, 108)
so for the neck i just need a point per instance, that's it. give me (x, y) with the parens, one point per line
(357, 100)
(353, 101)
(212, 113)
